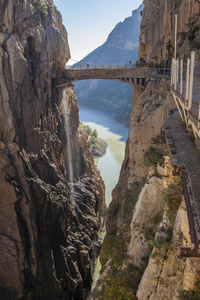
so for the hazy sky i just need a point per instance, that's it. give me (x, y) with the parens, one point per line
(88, 22)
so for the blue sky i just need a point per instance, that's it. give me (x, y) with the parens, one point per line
(88, 22)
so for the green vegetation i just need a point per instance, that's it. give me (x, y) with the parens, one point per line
(123, 278)
(121, 284)
(122, 281)
(153, 156)
(162, 241)
(42, 7)
(159, 139)
(152, 229)
(191, 295)
(173, 198)
(115, 247)
(131, 197)
(93, 135)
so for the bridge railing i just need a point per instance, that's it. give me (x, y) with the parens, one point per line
(103, 66)
(162, 70)
(185, 77)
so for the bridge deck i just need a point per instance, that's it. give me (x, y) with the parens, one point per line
(134, 75)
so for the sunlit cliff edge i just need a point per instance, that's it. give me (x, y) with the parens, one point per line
(51, 195)
(147, 220)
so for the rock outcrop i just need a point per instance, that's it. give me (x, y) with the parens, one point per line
(51, 194)
(166, 272)
(147, 118)
(157, 34)
(164, 275)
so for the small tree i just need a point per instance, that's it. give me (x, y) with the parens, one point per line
(88, 130)
(42, 7)
(95, 134)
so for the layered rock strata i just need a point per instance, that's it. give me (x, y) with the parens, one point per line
(51, 194)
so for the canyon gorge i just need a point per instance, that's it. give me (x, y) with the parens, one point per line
(52, 195)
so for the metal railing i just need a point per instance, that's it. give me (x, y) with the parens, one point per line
(185, 82)
(162, 70)
(103, 66)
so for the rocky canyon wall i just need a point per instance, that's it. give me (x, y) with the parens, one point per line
(157, 37)
(138, 219)
(50, 192)
(147, 118)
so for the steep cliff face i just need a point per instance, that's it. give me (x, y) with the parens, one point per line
(152, 242)
(147, 118)
(158, 28)
(51, 194)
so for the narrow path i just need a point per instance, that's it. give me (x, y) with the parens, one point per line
(187, 155)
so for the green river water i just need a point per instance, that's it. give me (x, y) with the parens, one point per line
(115, 134)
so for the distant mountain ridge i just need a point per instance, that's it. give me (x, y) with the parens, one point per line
(121, 46)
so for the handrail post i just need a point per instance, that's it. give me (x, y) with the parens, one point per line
(175, 38)
(172, 73)
(177, 70)
(175, 74)
(191, 79)
(199, 118)
(181, 79)
(187, 79)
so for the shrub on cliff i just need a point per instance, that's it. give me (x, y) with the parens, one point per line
(42, 7)
(173, 198)
(191, 295)
(153, 156)
(123, 278)
(131, 197)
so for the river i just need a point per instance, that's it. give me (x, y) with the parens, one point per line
(115, 135)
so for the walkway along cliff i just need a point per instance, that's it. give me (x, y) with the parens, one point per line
(147, 222)
(51, 195)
